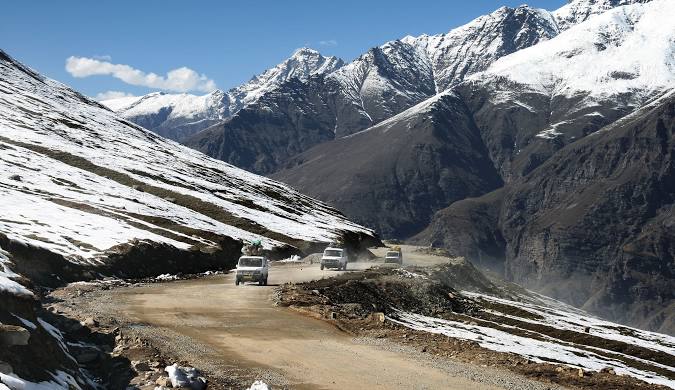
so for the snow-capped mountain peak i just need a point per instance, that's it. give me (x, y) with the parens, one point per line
(625, 49)
(303, 63)
(474, 46)
(177, 116)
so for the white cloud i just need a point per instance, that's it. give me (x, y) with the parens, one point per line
(330, 42)
(104, 57)
(180, 80)
(107, 95)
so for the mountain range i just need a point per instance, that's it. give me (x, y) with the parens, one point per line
(470, 140)
(525, 113)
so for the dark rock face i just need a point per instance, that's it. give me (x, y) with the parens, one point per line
(262, 136)
(30, 352)
(514, 129)
(424, 160)
(469, 228)
(595, 223)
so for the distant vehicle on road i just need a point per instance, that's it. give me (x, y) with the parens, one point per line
(335, 258)
(252, 269)
(394, 256)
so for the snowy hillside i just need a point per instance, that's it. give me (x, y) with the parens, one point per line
(627, 48)
(304, 63)
(177, 116)
(577, 11)
(537, 329)
(625, 55)
(78, 180)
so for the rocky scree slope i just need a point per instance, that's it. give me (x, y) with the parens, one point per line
(177, 116)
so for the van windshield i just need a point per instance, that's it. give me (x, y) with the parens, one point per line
(332, 253)
(392, 254)
(250, 262)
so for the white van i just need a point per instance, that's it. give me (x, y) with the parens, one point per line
(252, 269)
(334, 258)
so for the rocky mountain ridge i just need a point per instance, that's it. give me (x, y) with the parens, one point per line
(383, 82)
(177, 116)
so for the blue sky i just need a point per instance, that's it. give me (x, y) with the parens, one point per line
(223, 42)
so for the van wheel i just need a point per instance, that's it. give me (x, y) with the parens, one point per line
(321, 267)
(260, 282)
(236, 282)
(265, 281)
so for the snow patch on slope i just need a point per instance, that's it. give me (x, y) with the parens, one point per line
(577, 11)
(542, 351)
(119, 103)
(7, 284)
(61, 380)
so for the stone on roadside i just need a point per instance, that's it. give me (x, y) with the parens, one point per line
(163, 381)
(140, 366)
(89, 322)
(13, 335)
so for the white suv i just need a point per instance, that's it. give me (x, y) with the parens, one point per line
(252, 269)
(334, 258)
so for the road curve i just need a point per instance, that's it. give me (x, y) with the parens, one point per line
(248, 331)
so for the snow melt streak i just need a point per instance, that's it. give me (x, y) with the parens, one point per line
(548, 350)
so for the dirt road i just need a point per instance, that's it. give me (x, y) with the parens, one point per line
(248, 331)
